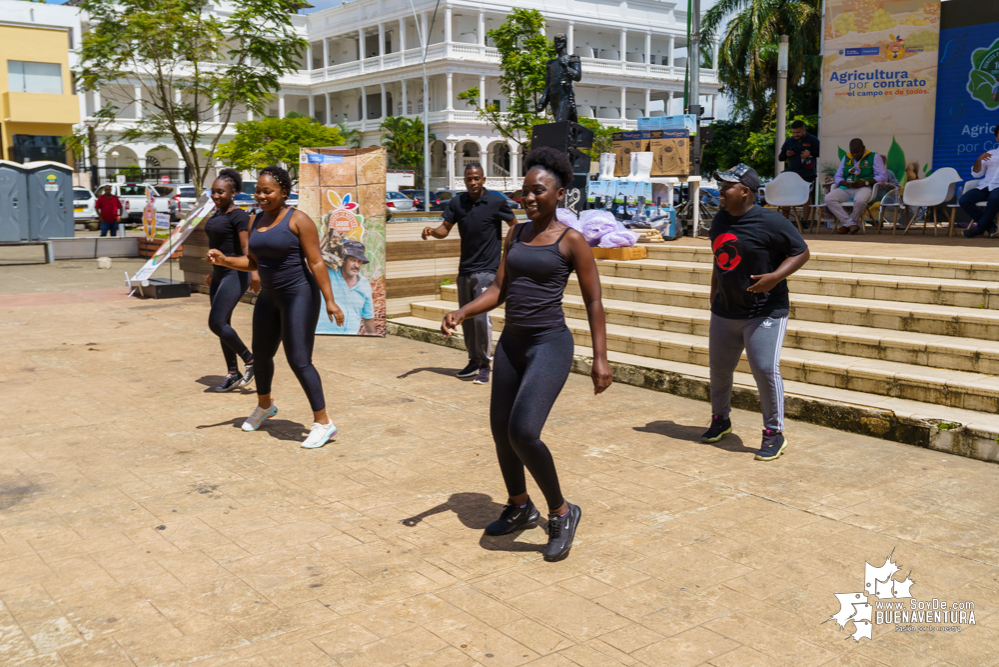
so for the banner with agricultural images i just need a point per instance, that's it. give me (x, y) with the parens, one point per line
(343, 191)
(879, 82)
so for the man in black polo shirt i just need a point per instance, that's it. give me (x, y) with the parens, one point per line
(800, 154)
(480, 215)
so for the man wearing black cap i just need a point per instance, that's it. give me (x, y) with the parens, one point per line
(755, 251)
(352, 292)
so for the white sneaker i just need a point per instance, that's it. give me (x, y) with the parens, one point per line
(254, 421)
(319, 435)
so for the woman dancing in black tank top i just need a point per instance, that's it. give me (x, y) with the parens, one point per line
(534, 354)
(284, 248)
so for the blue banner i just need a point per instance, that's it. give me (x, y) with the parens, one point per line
(967, 95)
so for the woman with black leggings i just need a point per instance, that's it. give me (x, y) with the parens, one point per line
(284, 247)
(228, 232)
(534, 354)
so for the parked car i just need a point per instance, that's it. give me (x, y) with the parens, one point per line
(170, 194)
(83, 205)
(513, 204)
(133, 197)
(417, 196)
(185, 200)
(441, 199)
(396, 201)
(514, 197)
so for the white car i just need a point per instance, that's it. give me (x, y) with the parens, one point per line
(396, 201)
(83, 205)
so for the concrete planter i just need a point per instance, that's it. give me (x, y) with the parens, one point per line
(95, 246)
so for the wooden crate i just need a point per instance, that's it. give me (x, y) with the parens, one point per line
(621, 254)
(149, 248)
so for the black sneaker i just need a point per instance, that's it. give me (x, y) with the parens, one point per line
(773, 445)
(561, 530)
(230, 382)
(482, 377)
(720, 427)
(468, 371)
(973, 231)
(247, 376)
(513, 517)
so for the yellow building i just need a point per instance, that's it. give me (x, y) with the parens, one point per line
(38, 104)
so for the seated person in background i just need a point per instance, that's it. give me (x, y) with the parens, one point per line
(799, 153)
(986, 168)
(858, 172)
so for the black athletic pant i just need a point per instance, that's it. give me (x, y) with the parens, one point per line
(288, 316)
(529, 371)
(227, 288)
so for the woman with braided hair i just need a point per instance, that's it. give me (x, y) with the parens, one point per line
(228, 234)
(284, 247)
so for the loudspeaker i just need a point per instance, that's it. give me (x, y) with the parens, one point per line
(575, 194)
(563, 136)
(580, 161)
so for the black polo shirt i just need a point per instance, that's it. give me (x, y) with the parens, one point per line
(480, 225)
(794, 162)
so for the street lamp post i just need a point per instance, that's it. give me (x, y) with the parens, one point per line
(781, 101)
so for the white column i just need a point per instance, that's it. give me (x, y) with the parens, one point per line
(312, 105)
(249, 113)
(669, 102)
(648, 99)
(329, 110)
(482, 28)
(482, 91)
(624, 101)
(450, 91)
(423, 30)
(308, 56)
(672, 45)
(450, 164)
(383, 101)
(280, 105)
(381, 41)
(447, 23)
(326, 52)
(362, 48)
(624, 44)
(405, 99)
(648, 50)
(215, 113)
(714, 56)
(97, 100)
(138, 101)
(402, 35)
(364, 107)
(515, 161)
(570, 37)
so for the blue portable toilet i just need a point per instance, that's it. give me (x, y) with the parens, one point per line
(50, 200)
(13, 203)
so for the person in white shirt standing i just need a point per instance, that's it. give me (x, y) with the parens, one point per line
(986, 168)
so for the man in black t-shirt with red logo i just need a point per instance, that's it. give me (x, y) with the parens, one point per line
(755, 251)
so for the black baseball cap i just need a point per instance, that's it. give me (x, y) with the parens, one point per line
(740, 173)
(354, 249)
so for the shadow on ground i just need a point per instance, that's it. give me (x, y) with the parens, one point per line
(450, 372)
(730, 443)
(212, 381)
(281, 429)
(476, 511)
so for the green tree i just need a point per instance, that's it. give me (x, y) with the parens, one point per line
(403, 139)
(747, 54)
(351, 137)
(735, 141)
(189, 64)
(271, 140)
(524, 52)
(603, 141)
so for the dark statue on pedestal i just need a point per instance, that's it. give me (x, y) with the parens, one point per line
(560, 72)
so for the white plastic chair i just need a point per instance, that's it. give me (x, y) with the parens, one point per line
(930, 192)
(788, 190)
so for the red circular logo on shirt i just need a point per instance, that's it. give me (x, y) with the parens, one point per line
(726, 252)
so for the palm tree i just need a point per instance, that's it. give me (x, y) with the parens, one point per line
(747, 53)
(351, 137)
(403, 138)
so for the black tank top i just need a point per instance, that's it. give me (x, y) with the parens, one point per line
(536, 278)
(280, 259)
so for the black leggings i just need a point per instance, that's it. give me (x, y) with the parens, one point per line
(288, 316)
(529, 371)
(227, 288)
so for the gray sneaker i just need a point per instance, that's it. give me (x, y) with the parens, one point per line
(482, 377)
(247, 375)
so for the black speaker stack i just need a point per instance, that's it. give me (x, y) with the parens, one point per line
(568, 137)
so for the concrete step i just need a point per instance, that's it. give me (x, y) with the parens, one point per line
(937, 291)
(917, 349)
(825, 261)
(940, 386)
(937, 426)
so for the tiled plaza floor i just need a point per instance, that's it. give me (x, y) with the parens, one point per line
(140, 526)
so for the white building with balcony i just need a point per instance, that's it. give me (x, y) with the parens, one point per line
(365, 63)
